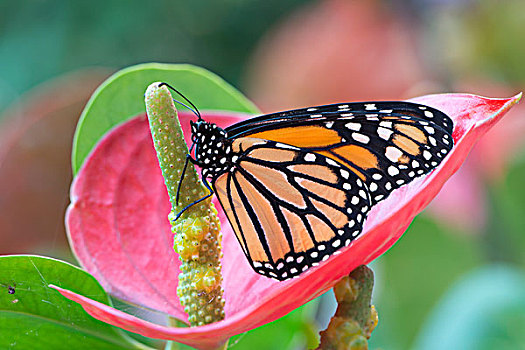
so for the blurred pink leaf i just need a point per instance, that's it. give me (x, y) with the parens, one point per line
(119, 230)
(335, 51)
(461, 203)
(35, 172)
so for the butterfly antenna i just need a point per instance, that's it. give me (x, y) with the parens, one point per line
(194, 109)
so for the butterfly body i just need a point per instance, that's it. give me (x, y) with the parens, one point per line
(213, 149)
(297, 185)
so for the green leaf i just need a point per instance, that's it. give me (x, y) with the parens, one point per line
(506, 241)
(35, 316)
(293, 331)
(121, 97)
(484, 310)
(413, 275)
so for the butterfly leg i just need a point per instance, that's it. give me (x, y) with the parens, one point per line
(188, 158)
(198, 200)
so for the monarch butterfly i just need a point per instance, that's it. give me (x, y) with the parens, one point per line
(297, 185)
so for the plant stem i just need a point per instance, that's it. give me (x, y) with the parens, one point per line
(355, 318)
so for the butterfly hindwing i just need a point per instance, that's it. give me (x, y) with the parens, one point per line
(290, 208)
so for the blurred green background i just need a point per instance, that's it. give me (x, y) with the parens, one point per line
(457, 277)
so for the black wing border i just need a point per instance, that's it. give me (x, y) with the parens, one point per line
(315, 114)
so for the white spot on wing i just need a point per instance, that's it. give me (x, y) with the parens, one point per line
(429, 129)
(310, 157)
(429, 114)
(331, 162)
(393, 153)
(360, 137)
(284, 145)
(353, 126)
(393, 171)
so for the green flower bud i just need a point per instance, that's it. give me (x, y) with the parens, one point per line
(197, 232)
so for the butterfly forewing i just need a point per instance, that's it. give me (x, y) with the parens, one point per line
(314, 115)
(386, 144)
(290, 208)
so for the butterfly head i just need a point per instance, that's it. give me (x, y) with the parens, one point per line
(211, 147)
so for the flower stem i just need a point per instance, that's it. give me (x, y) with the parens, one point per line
(355, 318)
(197, 231)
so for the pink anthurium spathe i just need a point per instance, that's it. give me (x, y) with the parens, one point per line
(119, 230)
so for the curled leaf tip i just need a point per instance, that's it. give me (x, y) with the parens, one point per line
(197, 231)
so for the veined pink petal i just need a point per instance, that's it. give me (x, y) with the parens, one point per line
(119, 230)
